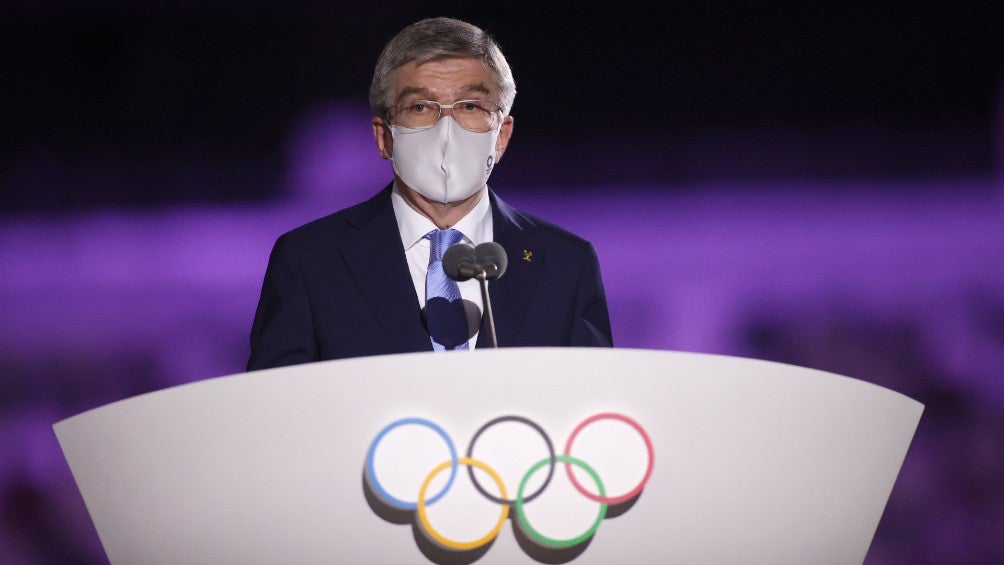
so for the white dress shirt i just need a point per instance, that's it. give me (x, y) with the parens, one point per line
(476, 227)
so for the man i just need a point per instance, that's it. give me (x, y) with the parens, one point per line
(359, 282)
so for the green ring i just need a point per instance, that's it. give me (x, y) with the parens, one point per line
(537, 536)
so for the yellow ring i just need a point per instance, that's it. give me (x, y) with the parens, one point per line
(461, 545)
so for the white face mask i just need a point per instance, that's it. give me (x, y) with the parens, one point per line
(446, 162)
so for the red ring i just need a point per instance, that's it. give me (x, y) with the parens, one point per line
(648, 472)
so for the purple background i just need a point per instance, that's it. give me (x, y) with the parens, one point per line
(821, 187)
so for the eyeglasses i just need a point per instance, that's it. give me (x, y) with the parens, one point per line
(474, 115)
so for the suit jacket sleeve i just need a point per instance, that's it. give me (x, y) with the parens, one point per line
(591, 326)
(283, 332)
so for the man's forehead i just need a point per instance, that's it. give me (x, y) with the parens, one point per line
(474, 88)
(444, 76)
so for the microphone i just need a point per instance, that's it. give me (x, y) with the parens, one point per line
(492, 258)
(488, 260)
(459, 262)
(462, 262)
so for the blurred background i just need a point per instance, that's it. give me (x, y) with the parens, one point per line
(822, 186)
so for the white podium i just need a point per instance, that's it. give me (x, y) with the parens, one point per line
(496, 456)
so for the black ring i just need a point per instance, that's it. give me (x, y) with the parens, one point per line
(550, 451)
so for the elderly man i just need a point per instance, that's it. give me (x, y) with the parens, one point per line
(368, 280)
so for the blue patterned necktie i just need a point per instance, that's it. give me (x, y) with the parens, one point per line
(444, 309)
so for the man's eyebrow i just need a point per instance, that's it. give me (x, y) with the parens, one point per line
(478, 87)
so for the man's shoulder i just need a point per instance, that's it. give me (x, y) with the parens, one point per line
(341, 223)
(533, 227)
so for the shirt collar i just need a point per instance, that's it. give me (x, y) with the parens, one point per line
(476, 225)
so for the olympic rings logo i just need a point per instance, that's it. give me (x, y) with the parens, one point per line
(510, 498)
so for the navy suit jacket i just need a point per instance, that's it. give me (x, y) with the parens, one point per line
(340, 287)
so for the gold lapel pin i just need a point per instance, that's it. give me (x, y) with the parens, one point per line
(528, 256)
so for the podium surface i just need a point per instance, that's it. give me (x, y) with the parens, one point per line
(642, 456)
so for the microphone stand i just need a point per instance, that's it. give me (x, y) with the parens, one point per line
(488, 260)
(489, 317)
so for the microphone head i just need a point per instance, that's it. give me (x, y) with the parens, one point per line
(458, 262)
(491, 257)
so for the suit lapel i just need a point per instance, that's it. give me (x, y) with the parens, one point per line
(377, 263)
(375, 258)
(512, 293)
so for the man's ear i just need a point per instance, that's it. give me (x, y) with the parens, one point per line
(505, 133)
(384, 140)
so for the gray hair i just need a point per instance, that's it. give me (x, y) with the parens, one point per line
(439, 38)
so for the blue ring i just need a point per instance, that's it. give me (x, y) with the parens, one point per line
(371, 473)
